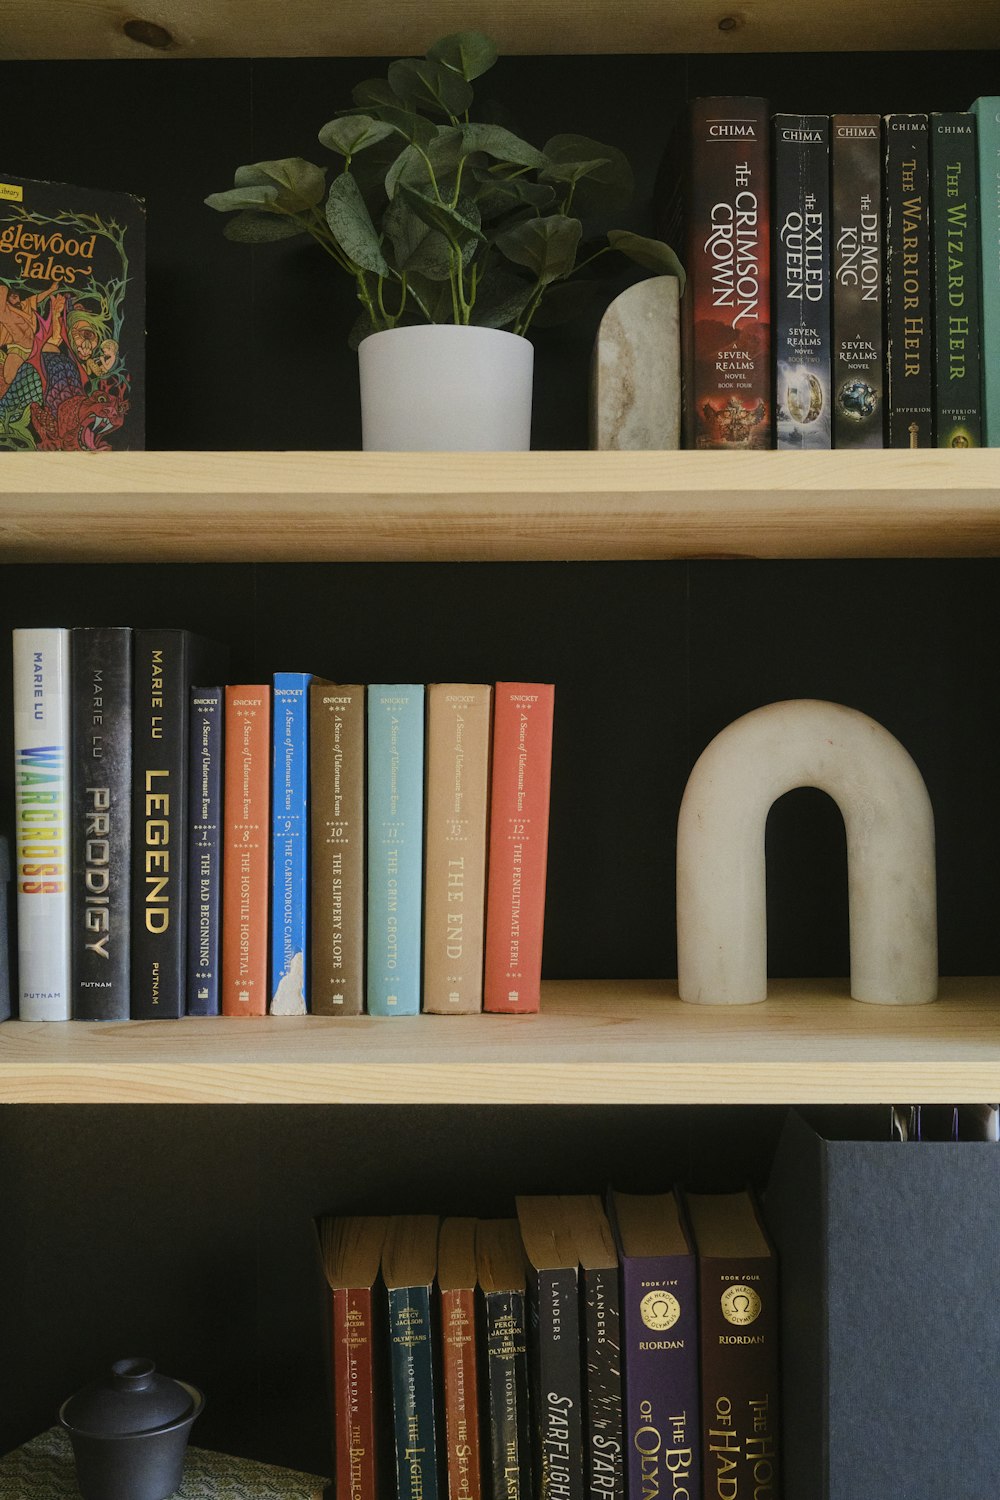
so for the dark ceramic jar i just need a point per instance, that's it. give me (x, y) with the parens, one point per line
(130, 1431)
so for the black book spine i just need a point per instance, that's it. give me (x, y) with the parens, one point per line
(801, 189)
(857, 282)
(204, 937)
(908, 283)
(957, 298)
(7, 984)
(101, 782)
(506, 1338)
(603, 1438)
(558, 1422)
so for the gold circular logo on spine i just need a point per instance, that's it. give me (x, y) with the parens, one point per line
(660, 1310)
(740, 1305)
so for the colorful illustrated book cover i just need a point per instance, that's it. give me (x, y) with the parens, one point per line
(289, 843)
(72, 318)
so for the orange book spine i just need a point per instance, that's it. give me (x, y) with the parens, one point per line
(461, 1394)
(246, 835)
(518, 845)
(354, 1394)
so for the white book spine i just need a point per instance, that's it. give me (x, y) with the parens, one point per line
(42, 813)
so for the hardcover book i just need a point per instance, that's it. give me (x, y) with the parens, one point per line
(603, 1435)
(987, 113)
(858, 335)
(659, 1344)
(290, 844)
(337, 848)
(246, 845)
(165, 665)
(395, 847)
(6, 927)
(458, 754)
(728, 374)
(72, 317)
(101, 781)
(457, 1282)
(802, 334)
(41, 815)
(739, 1320)
(351, 1249)
(204, 940)
(908, 310)
(500, 1268)
(957, 301)
(518, 845)
(409, 1265)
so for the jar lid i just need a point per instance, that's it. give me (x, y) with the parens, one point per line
(132, 1399)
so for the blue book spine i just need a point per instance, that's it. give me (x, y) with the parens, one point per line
(290, 844)
(395, 848)
(204, 950)
(412, 1367)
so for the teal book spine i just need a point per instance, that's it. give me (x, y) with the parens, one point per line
(290, 843)
(987, 113)
(412, 1373)
(395, 848)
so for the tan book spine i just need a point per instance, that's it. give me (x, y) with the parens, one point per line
(458, 752)
(337, 847)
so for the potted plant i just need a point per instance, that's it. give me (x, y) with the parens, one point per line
(455, 232)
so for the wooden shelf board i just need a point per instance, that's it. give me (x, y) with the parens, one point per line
(283, 507)
(593, 1042)
(258, 28)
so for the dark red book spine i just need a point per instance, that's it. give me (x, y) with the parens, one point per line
(354, 1395)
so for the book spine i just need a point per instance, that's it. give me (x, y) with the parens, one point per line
(245, 845)
(518, 845)
(802, 282)
(204, 946)
(412, 1361)
(354, 1395)
(738, 1305)
(337, 848)
(101, 781)
(458, 750)
(858, 335)
(42, 811)
(660, 1355)
(907, 284)
(728, 385)
(987, 113)
(957, 319)
(461, 1394)
(507, 1379)
(290, 844)
(6, 929)
(556, 1397)
(604, 1477)
(395, 847)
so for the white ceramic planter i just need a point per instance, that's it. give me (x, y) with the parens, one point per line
(445, 388)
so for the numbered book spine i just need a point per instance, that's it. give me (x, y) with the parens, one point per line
(556, 1395)
(204, 948)
(354, 1393)
(412, 1368)
(957, 304)
(518, 845)
(290, 844)
(461, 1394)
(337, 848)
(909, 314)
(458, 751)
(987, 113)
(507, 1379)
(246, 845)
(101, 712)
(660, 1355)
(728, 379)
(42, 814)
(858, 336)
(802, 282)
(395, 847)
(603, 1432)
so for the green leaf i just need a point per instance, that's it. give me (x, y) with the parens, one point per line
(249, 228)
(497, 196)
(416, 246)
(469, 53)
(546, 246)
(436, 299)
(502, 145)
(300, 183)
(259, 198)
(430, 85)
(653, 255)
(601, 174)
(415, 165)
(353, 133)
(352, 226)
(456, 224)
(501, 297)
(374, 91)
(360, 329)
(404, 122)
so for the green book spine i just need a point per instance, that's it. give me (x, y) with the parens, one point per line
(955, 244)
(987, 113)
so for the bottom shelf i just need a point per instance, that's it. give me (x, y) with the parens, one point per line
(594, 1042)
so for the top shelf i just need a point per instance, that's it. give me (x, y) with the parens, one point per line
(356, 28)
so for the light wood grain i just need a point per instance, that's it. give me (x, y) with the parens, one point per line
(222, 507)
(593, 1042)
(349, 28)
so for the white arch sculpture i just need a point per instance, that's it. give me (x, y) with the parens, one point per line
(721, 898)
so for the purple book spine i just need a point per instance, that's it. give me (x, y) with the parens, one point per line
(660, 1357)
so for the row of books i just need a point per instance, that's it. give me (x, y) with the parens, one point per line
(843, 278)
(566, 1352)
(287, 847)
